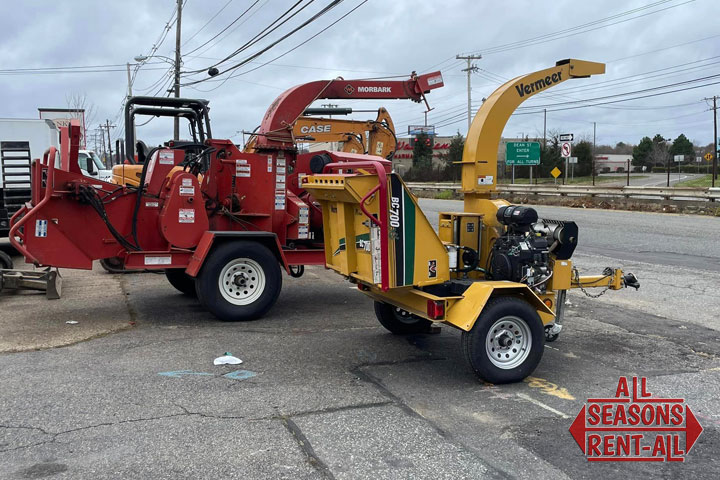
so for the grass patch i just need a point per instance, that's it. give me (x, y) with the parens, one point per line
(572, 181)
(445, 195)
(704, 181)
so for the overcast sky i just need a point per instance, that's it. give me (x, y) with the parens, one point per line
(645, 43)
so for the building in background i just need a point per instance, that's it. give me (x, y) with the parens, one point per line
(612, 162)
(403, 159)
(61, 116)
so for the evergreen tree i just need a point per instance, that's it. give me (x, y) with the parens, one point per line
(422, 151)
(583, 151)
(682, 146)
(454, 155)
(641, 153)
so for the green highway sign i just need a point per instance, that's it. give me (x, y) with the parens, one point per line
(522, 153)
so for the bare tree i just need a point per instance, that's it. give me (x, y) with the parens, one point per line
(659, 154)
(83, 109)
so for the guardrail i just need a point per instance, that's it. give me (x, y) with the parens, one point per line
(666, 193)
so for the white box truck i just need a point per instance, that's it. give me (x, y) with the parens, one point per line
(21, 141)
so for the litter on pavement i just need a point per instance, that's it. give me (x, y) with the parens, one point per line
(227, 359)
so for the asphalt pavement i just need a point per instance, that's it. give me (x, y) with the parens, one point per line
(325, 392)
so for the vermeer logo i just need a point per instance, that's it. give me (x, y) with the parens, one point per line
(526, 89)
(634, 425)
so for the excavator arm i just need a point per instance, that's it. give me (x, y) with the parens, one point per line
(376, 137)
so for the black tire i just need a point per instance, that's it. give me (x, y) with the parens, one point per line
(256, 294)
(113, 265)
(181, 281)
(6, 262)
(398, 321)
(518, 341)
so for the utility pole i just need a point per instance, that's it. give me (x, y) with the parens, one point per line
(544, 138)
(129, 80)
(715, 143)
(107, 127)
(667, 164)
(178, 30)
(101, 134)
(470, 68)
(593, 155)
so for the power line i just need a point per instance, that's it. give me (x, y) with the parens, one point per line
(661, 87)
(266, 31)
(583, 28)
(225, 29)
(208, 22)
(307, 22)
(236, 74)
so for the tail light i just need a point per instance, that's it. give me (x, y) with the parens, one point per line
(436, 309)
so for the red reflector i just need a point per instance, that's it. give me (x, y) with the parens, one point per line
(436, 309)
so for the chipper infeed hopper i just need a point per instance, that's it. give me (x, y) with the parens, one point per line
(495, 271)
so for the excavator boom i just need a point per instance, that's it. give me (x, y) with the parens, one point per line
(376, 137)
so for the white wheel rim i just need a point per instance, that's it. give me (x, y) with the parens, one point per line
(242, 281)
(508, 342)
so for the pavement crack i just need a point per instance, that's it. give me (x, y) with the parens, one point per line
(54, 435)
(492, 470)
(344, 408)
(23, 427)
(132, 313)
(307, 448)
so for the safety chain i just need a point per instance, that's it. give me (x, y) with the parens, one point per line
(607, 272)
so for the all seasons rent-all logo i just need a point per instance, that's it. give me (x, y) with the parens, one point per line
(634, 425)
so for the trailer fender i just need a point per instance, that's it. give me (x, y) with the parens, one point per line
(209, 238)
(464, 312)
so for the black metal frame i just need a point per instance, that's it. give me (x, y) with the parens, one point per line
(195, 110)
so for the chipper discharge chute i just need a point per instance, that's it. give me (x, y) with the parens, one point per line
(495, 271)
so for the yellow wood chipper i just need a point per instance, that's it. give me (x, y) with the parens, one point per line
(495, 271)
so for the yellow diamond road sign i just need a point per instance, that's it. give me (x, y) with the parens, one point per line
(555, 172)
(708, 156)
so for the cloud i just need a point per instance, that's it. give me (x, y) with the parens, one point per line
(380, 38)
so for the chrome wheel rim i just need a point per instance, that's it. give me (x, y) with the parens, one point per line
(508, 342)
(242, 281)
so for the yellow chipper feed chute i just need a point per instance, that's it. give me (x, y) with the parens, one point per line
(495, 271)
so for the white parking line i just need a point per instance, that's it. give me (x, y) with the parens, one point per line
(542, 405)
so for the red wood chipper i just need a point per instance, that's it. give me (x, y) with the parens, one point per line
(224, 237)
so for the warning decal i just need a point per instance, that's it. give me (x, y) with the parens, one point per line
(186, 215)
(166, 158)
(41, 228)
(242, 168)
(150, 260)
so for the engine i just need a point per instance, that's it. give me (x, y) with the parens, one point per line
(522, 253)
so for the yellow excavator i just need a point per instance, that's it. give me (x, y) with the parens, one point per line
(495, 271)
(374, 137)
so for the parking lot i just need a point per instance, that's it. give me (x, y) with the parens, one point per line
(135, 394)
